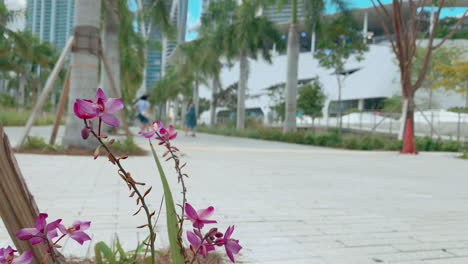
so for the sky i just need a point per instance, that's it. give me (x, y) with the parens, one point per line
(194, 13)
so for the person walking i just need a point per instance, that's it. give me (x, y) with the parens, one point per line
(190, 121)
(143, 108)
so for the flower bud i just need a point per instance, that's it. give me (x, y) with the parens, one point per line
(212, 232)
(197, 233)
(219, 234)
(85, 133)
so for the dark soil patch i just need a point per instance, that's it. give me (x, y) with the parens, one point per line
(73, 151)
(162, 258)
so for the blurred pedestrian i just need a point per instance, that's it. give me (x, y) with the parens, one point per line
(143, 108)
(190, 121)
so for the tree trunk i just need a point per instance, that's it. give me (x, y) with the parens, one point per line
(21, 90)
(214, 90)
(110, 47)
(84, 71)
(196, 99)
(408, 136)
(340, 113)
(18, 208)
(176, 110)
(242, 86)
(110, 44)
(291, 79)
(183, 110)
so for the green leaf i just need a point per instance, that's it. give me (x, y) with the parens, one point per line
(171, 215)
(122, 253)
(106, 251)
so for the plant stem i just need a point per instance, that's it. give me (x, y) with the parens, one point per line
(135, 188)
(60, 238)
(180, 176)
(196, 251)
(51, 251)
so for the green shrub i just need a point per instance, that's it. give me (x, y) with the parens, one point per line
(371, 143)
(330, 139)
(450, 146)
(125, 145)
(309, 139)
(7, 101)
(393, 144)
(15, 118)
(38, 143)
(351, 143)
(333, 139)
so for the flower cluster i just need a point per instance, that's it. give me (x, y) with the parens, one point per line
(162, 134)
(202, 244)
(102, 107)
(7, 256)
(44, 232)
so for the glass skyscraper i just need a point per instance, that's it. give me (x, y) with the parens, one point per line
(50, 20)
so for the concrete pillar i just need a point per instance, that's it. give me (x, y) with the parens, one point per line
(361, 104)
(365, 26)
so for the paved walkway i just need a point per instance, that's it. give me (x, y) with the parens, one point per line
(290, 203)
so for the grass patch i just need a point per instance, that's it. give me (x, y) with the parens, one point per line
(122, 147)
(15, 118)
(333, 139)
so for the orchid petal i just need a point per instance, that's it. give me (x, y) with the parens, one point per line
(27, 233)
(52, 233)
(81, 225)
(79, 237)
(53, 225)
(36, 240)
(41, 222)
(193, 239)
(205, 213)
(100, 95)
(109, 119)
(228, 232)
(233, 246)
(63, 229)
(85, 109)
(190, 212)
(230, 255)
(25, 258)
(113, 105)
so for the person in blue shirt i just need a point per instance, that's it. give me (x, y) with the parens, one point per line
(143, 108)
(191, 121)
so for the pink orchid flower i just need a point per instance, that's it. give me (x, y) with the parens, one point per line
(167, 134)
(41, 231)
(155, 127)
(231, 245)
(7, 256)
(102, 107)
(199, 218)
(197, 246)
(76, 231)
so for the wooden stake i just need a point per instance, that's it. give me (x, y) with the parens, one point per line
(116, 93)
(48, 87)
(17, 207)
(61, 107)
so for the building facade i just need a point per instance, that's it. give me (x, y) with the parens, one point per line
(50, 20)
(156, 58)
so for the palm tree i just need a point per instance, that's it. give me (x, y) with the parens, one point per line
(213, 25)
(152, 14)
(314, 10)
(246, 37)
(110, 43)
(84, 79)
